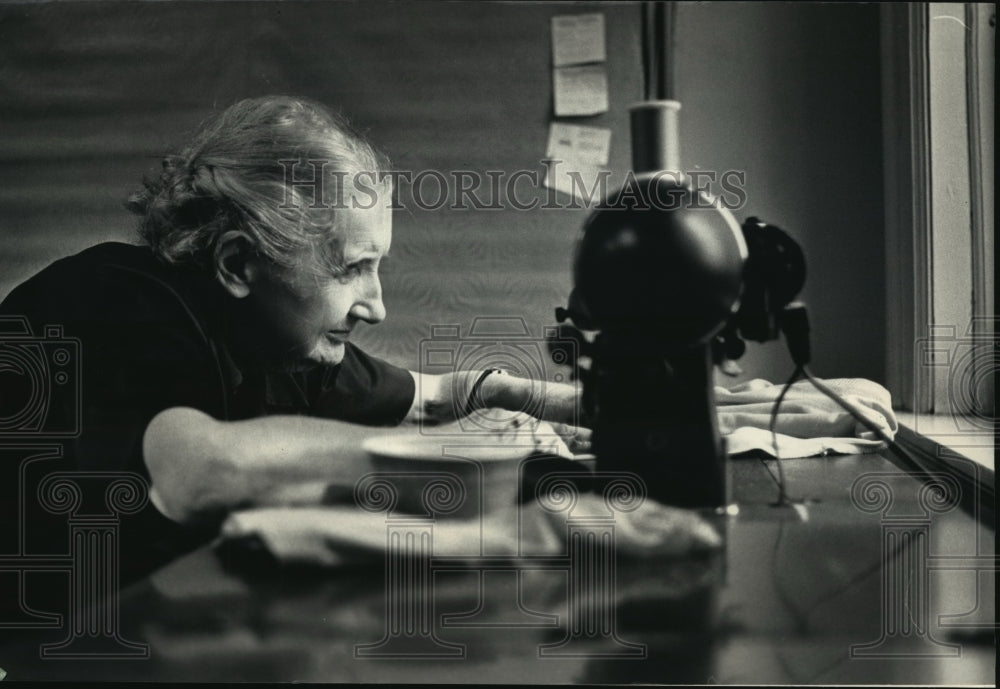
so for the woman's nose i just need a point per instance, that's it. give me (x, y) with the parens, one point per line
(369, 306)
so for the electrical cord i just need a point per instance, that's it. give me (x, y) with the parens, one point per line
(660, 49)
(783, 498)
(862, 419)
(795, 326)
(645, 12)
(794, 323)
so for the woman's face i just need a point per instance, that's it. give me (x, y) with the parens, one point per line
(303, 318)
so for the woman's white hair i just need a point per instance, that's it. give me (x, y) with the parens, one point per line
(250, 169)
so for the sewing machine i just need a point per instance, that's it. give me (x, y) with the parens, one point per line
(672, 285)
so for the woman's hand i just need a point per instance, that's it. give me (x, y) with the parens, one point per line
(577, 438)
(450, 396)
(447, 397)
(555, 402)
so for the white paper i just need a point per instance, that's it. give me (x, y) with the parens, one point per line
(573, 142)
(578, 39)
(579, 91)
(580, 179)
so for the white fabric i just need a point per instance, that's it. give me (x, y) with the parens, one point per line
(336, 536)
(809, 423)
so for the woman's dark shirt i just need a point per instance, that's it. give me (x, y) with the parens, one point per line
(142, 337)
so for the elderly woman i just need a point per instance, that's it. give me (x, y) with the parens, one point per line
(216, 359)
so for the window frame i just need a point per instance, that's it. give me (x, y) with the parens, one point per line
(929, 180)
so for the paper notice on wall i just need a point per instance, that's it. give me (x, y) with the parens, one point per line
(580, 91)
(573, 142)
(578, 39)
(584, 180)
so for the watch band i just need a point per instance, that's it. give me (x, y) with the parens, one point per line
(470, 401)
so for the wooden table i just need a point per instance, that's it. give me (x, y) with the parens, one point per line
(841, 589)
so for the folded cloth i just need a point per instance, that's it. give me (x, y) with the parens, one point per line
(336, 536)
(809, 423)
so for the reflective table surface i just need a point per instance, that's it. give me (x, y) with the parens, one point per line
(873, 579)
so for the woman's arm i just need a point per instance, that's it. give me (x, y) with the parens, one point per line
(202, 468)
(445, 397)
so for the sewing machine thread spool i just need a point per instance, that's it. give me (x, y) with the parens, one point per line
(655, 138)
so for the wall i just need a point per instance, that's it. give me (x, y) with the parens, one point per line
(101, 91)
(790, 94)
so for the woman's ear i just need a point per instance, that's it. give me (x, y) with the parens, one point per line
(236, 264)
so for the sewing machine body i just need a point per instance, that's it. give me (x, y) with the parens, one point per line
(661, 273)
